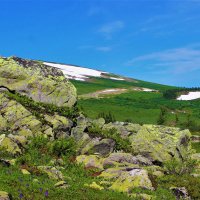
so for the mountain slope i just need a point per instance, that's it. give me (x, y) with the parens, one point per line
(127, 99)
(51, 150)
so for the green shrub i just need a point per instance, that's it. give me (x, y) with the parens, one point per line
(180, 167)
(63, 147)
(108, 117)
(192, 184)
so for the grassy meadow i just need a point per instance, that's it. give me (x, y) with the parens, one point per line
(138, 106)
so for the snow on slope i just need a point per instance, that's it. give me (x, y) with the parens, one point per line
(76, 73)
(189, 96)
(118, 79)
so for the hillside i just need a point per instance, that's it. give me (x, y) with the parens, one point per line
(127, 99)
(50, 150)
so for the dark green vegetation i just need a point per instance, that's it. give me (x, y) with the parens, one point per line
(174, 93)
(138, 106)
(196, 146)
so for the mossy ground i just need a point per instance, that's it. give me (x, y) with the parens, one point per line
(40, 152)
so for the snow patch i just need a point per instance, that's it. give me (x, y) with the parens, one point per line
(111, 90)
(189, 96)
(118, 79)
(147, 90)
(76, 73)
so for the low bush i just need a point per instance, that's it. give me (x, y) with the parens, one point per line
(192, 184)
(63, 147)
(180, 167)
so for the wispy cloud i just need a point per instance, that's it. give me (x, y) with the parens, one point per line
(108, 29)
(104, 48)
(96, 48)
(176, 61)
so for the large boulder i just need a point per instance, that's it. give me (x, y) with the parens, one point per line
(103, 147)
(35, 80)
(160, 143)
(115, 159)
(91, 161)
(135, 178)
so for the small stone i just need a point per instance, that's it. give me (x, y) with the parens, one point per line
(180, 193)
(25, 172)
(61, 184)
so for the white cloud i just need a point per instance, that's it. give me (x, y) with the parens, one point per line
(104, 49)
(179, 60)
(108, 29)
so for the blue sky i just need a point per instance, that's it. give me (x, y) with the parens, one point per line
(153, 40)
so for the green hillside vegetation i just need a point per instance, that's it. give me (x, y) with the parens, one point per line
(101, 83)
(142, 107)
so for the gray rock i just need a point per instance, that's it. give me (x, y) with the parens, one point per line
(180, 193)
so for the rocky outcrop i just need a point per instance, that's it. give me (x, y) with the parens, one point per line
(123, 155)
(18, 124)
(35, 80)
(159, 143)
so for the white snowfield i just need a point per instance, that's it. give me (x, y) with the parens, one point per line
(189, 96)
(148, 90)
(74, 72)
(118, 79)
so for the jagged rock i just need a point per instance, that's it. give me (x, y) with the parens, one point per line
(25, 172)
(115, 158)
(61, 184)
(17, 118)
(159, 143)
(113, 173)
(90, 161)
(103, 147)
(8, 145)
(52, 172)
(135, 178)
(32, 81)
(60, 125)
(4, 195)
(180, 193)
(20, 140)
(126, 158)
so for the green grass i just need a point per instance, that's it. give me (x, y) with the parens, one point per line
(38, 153)
(142, 107)
(196, 146)
(138, 107)
(101, 83)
